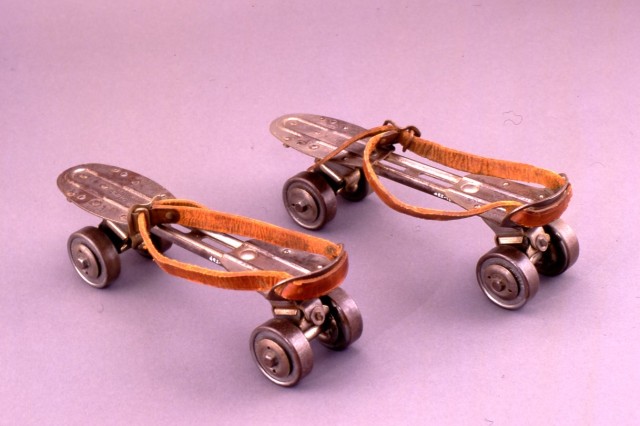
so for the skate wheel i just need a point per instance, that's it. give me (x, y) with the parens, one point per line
(357, 192)
(281, 351)
(563, 250)
(507, 277)
(343, 325)
(309, 200)
(94, 256)
(160, 244)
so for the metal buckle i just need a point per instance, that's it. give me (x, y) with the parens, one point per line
(132, 221)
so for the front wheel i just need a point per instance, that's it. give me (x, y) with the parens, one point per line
(94, 256)
(507, 277)
(358, 190)
(160, 244)
(309, 200)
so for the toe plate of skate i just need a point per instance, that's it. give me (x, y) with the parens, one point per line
(107, 191)
(317, 136)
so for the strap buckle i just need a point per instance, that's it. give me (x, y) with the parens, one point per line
(132, 221)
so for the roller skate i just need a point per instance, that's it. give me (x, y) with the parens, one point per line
(522, 204)
(299, 275)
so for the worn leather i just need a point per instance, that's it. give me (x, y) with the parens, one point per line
(537, 214)
(190, 214)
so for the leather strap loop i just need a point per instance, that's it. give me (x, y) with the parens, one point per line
(194, 215)
(536, 214)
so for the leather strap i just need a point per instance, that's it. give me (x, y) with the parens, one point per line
(536, 214)
(194, 215)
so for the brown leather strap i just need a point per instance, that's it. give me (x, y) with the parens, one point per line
(194, 215)
(537, 214)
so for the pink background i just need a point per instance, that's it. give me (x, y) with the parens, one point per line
(183, 92)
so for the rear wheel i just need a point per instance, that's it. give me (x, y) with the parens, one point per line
(343, 324)
(281, 351)
(507, 277)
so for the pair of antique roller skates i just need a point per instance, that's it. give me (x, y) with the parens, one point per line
(298, 274)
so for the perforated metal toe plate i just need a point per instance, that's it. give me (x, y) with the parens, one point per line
(108, 191)
(316, 135)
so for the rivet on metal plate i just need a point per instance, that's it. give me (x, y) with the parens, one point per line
(248, 255)
(470, 188)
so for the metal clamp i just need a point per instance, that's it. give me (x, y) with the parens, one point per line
(273, 295)
(132, 222)
(538, 205)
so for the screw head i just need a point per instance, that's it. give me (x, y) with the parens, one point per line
(272, 358)
(501, 282)
(543, 241)
(84, 260)
(317, 315)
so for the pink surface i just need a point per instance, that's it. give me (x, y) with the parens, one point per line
(184, 93)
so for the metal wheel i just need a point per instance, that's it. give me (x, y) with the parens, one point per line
(94, 256)
(358, 191)
(309, 200)
(343, 325)
(563, 249)
(507, 277)
(281, 351)
(160, 243)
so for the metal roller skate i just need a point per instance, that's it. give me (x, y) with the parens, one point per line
(300, 285)
(520, 203)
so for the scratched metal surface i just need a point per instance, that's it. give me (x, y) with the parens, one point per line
(108, 191)
(315, 135)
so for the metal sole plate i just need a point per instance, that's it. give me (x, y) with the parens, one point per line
(316, 135)
(108, 191)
